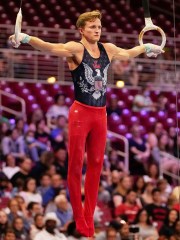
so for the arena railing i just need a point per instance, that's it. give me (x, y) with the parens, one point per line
(8, 96)
(125, 153)
(27, 64)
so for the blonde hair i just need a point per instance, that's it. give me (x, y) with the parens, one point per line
(87, 16)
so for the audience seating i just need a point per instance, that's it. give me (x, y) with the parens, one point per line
(116, 15)
(42, 95)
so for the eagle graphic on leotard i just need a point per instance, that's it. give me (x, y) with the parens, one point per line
(97, 82)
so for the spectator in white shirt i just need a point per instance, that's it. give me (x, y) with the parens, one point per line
(58, 108)
(143, 101)
(50, 232)
(30, 193)
(10, 169)
(37, 226)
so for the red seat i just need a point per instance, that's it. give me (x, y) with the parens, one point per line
(114, 120)
(122, 129)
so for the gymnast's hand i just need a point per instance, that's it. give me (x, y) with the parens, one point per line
(153, 50)
(22, 38)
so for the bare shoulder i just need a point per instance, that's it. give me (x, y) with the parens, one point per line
(111, 49)
(109, 46)
(74, 47)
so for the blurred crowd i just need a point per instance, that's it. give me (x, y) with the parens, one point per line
(138, 72)
(34, 199)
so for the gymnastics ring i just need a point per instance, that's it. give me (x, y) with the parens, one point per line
(150, 26)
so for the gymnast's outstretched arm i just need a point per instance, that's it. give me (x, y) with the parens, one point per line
(58, 49)
(119, 53)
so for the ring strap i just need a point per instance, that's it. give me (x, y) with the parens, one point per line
(145, 4)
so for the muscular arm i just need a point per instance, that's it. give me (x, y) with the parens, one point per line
(57, 49)
(122, 54)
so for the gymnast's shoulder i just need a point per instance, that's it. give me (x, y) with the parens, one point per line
(68, 49)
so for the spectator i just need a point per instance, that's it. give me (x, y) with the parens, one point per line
(175, 192)
(113, 227)
(72, 234)
(126, 70)
(24, 171)
(158, 129)
(10, 169)
(37, 226)
(22, 205)
(111, 234)
(13, 144)
(15, 211)
(143, 101)
(50, 231)
(57, 133)
(34, 147)
(46, 160)
(168, 228)
(124, 230)
(4, 128)
(58, 108)
(29, 192)
(113, 106)
(156, 210)
(33, 208)
(172, 132)
(5, 188)
(51, 171)
(139, 185)
(21, 126)
(103, 195)
(169, 162)
(64, 211)
(61, 162)
(163, 142)
(146, 229)
(154, 149)
(162, 102)
(139, 152)
(120, 192)
(19, 229)
(3, 223)
(176, 233)
(114, 160)
(42, 132)
(129, 208)
(10, 235)
(146, 197)
(54, 189)
(45, 183)
(37, 115)
(113, 181)
(152, 173)
(165, 189)
(159, 156)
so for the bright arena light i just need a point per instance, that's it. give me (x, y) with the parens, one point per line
(51, 80)
(120, 84)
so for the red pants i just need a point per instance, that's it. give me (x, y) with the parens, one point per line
(87, 129)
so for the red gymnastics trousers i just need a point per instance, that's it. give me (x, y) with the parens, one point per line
(87, 130)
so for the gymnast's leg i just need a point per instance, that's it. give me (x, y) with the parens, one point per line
(96, 142)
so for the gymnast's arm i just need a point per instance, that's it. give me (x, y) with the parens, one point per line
(58, 49)
(123, 54)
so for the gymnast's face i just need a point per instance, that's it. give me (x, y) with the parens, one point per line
(92, 30)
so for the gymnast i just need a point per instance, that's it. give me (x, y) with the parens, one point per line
(88, 62)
